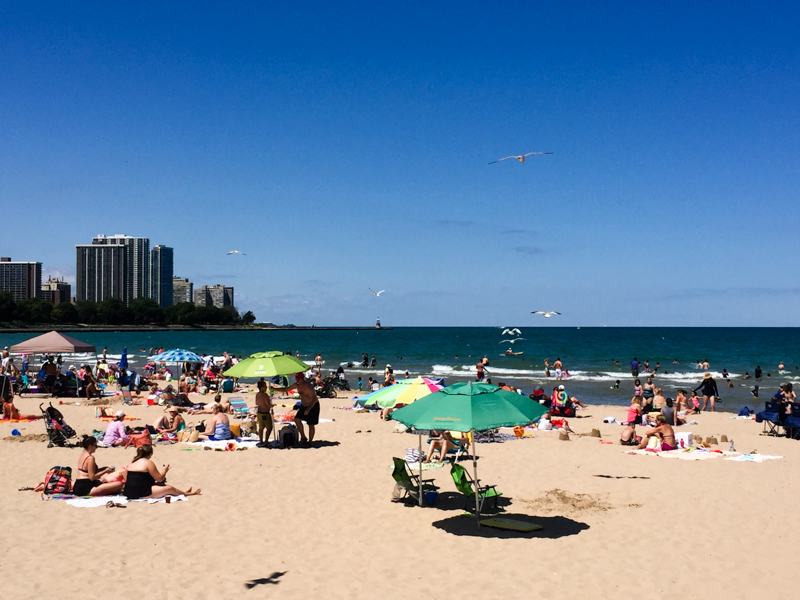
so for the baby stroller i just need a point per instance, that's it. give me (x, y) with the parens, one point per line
(58, 432)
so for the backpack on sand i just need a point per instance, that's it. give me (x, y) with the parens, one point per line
(58, 481)
(288, 436)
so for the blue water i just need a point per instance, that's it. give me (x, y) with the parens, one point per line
(588, 353)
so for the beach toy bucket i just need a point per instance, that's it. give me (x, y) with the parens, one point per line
(431, 496)
(15, 432)
(150, 402)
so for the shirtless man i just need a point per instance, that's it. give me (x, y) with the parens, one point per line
(480, 368)
(662, 430)
(50, 374)
(264, 411)
(309, 409)
(558, 366)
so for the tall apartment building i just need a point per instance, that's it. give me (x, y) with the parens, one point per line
(22, 279)
(56, 291)
(101, 272)
(182, 290)
(214, 295)
(138, 261)
(161, 277)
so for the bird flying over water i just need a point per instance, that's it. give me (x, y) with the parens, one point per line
(515, 340)
(547, 313)
(511, 331)
(236, 252)
(376, 293)
(520, 158)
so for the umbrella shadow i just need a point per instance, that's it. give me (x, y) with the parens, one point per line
(271, 580)
(455, 501)
(552, 527)
(621, 476)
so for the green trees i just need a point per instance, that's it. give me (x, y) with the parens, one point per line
(142, 311)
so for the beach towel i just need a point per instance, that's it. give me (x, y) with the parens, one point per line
(753, 457)
(238, 444)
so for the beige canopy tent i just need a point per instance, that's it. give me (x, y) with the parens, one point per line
(52, 342)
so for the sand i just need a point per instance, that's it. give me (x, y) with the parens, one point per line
(320, 522)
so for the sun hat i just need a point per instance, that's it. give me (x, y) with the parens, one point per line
(706, 375)
(119, 414)
(561, 387)
(173, 408)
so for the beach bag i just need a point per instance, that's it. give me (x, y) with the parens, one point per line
(58, 481)
(288, 436)
(413, 455)
(140, 439)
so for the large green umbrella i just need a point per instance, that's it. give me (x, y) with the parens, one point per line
(469, 406)
(267, 364)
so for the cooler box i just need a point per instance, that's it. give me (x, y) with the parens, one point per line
(684, 439)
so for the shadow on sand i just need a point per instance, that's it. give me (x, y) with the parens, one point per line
(552, 527)
(271, 580)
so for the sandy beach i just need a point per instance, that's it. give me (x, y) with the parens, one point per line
(320, 521)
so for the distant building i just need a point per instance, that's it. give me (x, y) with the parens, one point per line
(161, 278)
(137, 267)
(214, 295)
(22, 279)
(101, 272)
(56, 291)
(182, 290)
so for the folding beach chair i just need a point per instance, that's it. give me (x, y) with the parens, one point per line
(465, 485)
(792, 423)
(239, 407)
(771, 417)
(407, 482)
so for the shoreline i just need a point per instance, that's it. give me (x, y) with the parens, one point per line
(200, 328)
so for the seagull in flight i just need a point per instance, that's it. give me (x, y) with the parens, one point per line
(547, 313)
(236, 252)
(520, 158)
(377, 294)
(514, 341)
(511, 331)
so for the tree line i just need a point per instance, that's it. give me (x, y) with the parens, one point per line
(141, 311)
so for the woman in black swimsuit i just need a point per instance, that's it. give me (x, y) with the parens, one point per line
(143, 475)
(87, 482)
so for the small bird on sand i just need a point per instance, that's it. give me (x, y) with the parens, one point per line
(376, 293)
(546, 313)
(520, 158)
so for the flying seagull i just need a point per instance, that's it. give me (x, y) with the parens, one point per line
(520, 158)
(547, 313)
(511, 331)
(511, 341)
(376, 293)
(236, 252)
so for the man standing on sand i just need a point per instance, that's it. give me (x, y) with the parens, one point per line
(309, 407)
(50, 375)
(558, 366)
(263, 411)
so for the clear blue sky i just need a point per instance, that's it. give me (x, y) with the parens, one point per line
(344, 145)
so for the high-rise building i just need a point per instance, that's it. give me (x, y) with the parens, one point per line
(182, 290)
(214, 295)
(138, 274)
(56, 291)
(22, 279)
(161, 283)
(101, 272)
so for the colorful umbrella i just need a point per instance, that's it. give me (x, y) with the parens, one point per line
(388, 394)
(416, 389)
(469, 406)
(267, 364)
(176, 356)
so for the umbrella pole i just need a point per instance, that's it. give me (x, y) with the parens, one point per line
(420, 469)
(475, 472)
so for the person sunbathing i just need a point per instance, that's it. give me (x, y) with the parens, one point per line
(664, 431)
(218, 427)
(170, 422)
(441, 441)
(144, 479)
(88, 481)
(11, 413)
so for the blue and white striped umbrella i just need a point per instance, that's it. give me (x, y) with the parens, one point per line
(176, 356)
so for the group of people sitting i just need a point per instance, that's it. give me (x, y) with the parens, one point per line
(659, 413)
(141, 479)
(560, 403)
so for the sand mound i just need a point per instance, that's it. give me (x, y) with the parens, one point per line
(560, 501)
(28, 437)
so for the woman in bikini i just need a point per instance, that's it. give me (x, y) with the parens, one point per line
(89, 481)
(143, 475)
(664, 431)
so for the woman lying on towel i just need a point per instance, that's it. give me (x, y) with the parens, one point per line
(91, 480)
(664, 431)
(218, 427)
(11, 412)
(145, 481)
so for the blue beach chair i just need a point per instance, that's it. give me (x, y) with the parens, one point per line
(771, 417)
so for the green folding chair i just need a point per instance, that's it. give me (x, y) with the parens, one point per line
(407, 482)
(464, 484)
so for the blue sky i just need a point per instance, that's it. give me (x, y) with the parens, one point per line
(345, 145)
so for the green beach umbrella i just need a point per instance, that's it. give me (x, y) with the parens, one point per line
(267, 364)
(469, 407)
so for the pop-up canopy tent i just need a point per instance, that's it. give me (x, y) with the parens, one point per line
(53, 343)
